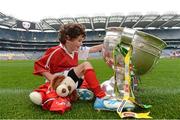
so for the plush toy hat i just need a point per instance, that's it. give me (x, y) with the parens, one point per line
(63, 86)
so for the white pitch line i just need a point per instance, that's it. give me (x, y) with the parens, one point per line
(14, 91)
(159, 91)
(142, 91)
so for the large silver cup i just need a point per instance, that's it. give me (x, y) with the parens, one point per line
(146, 47)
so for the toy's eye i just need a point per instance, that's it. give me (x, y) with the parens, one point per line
(69, 88)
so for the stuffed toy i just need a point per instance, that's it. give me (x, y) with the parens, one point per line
(55, 97)
(64, 86)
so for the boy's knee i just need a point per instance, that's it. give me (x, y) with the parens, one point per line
(87, 65)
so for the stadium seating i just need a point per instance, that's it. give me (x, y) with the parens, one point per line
(14, 44)
(15, 40)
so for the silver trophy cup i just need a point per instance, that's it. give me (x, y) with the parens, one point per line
(146, 50)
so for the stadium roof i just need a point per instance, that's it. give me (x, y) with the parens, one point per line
(156, 21)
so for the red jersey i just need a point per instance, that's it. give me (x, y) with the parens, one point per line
(56, 59)
(52, 102)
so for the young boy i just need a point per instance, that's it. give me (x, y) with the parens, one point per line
(63, 59)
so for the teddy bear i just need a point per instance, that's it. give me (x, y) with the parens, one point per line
(62, 86)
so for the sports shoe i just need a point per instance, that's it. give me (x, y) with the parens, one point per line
(85, 94)
(111, 104)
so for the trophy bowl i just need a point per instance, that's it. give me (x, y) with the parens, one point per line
(146, 51)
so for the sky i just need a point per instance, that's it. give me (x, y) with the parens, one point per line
(35, 10)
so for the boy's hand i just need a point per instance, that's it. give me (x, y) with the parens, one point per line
(53, 77)
(50, 77)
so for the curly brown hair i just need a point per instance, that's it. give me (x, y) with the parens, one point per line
(71, 31)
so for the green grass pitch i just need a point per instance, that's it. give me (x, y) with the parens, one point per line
(160, 88)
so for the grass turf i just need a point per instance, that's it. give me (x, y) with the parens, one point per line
(160, 88)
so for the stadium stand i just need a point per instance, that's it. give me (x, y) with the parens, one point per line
(28, 40)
